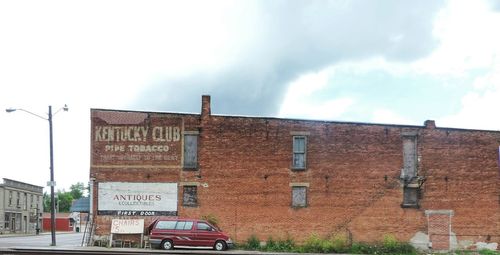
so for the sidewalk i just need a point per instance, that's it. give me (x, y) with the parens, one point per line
(34, 234)
(155, 251)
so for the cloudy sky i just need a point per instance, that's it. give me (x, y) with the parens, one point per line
(386, 61)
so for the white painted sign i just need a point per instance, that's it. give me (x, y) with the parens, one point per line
(137, 199)
(129, 226)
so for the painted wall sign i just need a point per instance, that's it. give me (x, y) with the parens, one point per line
(132, 138)
(137, 199)
(127, 226)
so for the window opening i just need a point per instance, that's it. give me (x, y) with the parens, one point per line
(190, 151)
(299, 152)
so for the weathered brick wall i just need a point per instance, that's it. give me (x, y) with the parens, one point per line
(463, 175)
(352, 172)
(352, 175)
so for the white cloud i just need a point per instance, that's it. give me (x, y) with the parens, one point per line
(479, 111)
(300, 102)
(479, 108)
(468, 50)
(467, 31)
(319, 110)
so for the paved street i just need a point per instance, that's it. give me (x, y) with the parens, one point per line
(42, 240)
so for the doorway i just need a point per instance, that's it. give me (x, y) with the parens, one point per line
(13, 224)
(25, 222)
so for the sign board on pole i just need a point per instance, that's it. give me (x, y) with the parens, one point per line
(127, 226)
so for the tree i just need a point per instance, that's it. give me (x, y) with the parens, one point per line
(77, 190)
(64, 201)
(46, 202)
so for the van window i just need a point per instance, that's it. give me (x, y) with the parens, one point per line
(203, 226)
(166, 224)
(184, 225)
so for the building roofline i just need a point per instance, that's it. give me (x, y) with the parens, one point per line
(20, 182)
(356, 123)
(139, 111)
(306, 120)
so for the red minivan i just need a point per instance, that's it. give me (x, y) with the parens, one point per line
(168, 233)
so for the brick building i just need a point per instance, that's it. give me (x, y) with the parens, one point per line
(278, 177)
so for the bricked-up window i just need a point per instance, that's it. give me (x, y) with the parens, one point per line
(409, 173)
(190, 151)
(410, 198)
(190, 196)
(299, 152)
(299, 196)
(409, 157)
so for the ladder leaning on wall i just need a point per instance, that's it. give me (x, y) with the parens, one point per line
(89, 232)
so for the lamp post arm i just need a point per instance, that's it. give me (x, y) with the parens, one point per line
(34, 114)
(64, 108)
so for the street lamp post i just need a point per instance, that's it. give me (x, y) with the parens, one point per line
(52, 182)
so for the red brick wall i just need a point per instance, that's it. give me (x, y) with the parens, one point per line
(352, 171)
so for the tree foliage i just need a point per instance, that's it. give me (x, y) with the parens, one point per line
(64, 199)
(77, 190)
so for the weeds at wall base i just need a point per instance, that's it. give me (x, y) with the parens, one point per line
(335, 244)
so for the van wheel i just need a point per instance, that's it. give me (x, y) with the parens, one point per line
(220, 246)
(167, 245)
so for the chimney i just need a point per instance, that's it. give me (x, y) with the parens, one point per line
(205, 106)
(430, 124)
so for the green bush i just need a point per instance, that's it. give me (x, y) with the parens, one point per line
(340, 243)
(389, 245)
(390, 241)
(286, 245)
(253, 243)
(314, 244)
(362, 248)
(334, 244)
(489, 252)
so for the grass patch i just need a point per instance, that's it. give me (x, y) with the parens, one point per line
(286, 245)
(489, 252)
(252, 243)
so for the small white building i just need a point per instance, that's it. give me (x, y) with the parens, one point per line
(21, 206)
